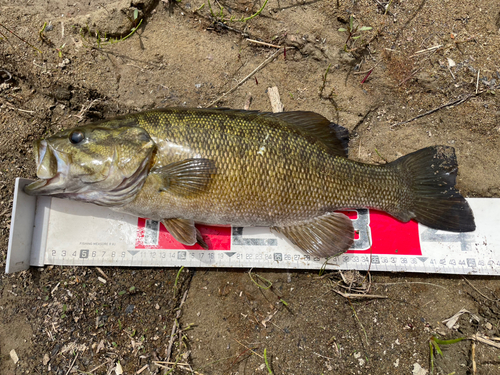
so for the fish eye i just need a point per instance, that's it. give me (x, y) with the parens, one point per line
(76, 137)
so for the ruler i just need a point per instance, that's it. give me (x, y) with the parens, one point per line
(56, 231)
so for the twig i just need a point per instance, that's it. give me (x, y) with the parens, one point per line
(425, 50)
(19, 109)
(453, 76)
(141, 369)
(362, 120)
(171, 342)
(322, 356)
(412, 282)
(485, 340)
(354, 295)
(366, 77)
(174, 327)
(450, 104)
(473, 358)
(262, 43)
(477, 82)
(102, 273)
(412, 74)
(246, 347)
(98, 367)
(473, 287)
(368, 73)
(72, 363)
(263, 64)
(55, 288)
(18, 37)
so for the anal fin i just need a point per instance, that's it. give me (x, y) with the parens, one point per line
(185, 232)
(324, 236)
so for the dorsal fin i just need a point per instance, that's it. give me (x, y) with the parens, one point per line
(333, 136)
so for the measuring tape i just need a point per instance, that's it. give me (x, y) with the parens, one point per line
(72, 233)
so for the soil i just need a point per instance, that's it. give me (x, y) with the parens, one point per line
(424, 54)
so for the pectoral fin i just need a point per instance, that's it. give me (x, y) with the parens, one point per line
(185, 177)
(185, 232)
(324, 236)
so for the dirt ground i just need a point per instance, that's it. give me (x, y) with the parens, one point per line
(424, 54)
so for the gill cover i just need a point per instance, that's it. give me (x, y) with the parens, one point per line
(97, 164)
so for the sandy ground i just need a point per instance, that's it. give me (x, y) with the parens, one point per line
(424, 55)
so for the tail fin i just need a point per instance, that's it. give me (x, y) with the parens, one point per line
(436, 203)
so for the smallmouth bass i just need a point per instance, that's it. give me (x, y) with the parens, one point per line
(288, 171)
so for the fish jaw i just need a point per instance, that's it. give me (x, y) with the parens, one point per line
(51, 169)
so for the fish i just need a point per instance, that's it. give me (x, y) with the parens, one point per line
(289, 171)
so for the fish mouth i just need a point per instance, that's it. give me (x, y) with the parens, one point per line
(51, 169)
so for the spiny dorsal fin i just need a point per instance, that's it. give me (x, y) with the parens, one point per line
(333, 136)
(185, 232)
(324, 236)
(185, 177)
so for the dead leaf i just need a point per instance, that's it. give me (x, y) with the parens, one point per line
(118, 369)
(450, 322)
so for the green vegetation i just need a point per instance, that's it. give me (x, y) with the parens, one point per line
(434, 343)
(101, 41)
(221, 18)
(353, 33)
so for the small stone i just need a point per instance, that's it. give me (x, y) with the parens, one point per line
(14, 356)
(418, 370)
(63, 63)
(46, 359)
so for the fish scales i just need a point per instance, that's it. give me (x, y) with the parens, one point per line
(266, 174)
(287, 171)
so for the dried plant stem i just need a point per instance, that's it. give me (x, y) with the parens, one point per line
(262, 43)
(450, 104)
(473, 287)
(359, 321)
(262, 65)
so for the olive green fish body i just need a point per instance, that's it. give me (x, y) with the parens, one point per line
(287, 171)
(267, 173)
